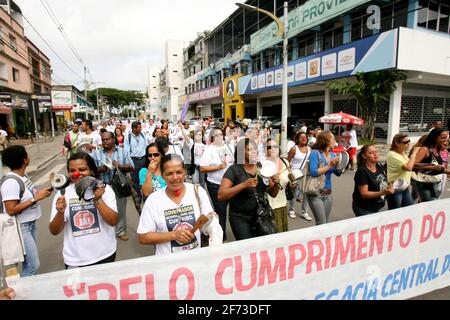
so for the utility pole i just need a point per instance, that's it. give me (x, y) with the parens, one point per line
(98, 107)
(85, 91)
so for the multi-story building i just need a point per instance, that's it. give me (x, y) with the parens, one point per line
(204, 99)
(41, 84)
(15, 84)
(71, 102)
(171, 79)
(334, 41)
(154, 97)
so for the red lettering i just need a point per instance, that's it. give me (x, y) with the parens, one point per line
(427, 228)
(376, 238)
(293, 262)
(238, 273)
(125, 288)
(173, 284)
(440, 216)
(224, 264)
(266, 267)
(108, 287)
(342, 251)
(407, 225)
(391, 229)
(150, 287)
(314, 258)
(362, 245)
(328, 251)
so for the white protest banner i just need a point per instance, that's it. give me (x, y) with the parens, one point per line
(391, 255)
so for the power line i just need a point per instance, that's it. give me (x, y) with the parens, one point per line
(61, 29)
(29, 60)
(57, 55)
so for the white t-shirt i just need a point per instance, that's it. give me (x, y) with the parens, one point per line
(353, 142)
(11, 191)
(3, 133)
(93, 138)
(161, 214)
(87, 237)
(215, 156)
(111, 129)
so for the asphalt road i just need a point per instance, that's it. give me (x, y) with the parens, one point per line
(50, 247)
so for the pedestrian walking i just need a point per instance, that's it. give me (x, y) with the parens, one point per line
(216, 159)
(399, 167)
(371, 183)
(88, 226)
(71, 139)
(135, 145)
(21, 199)
(298, 158)
(279, 203)
(323, 162)
(150, 177)
(109, 160)
(89, 137)
(169, 214)
(238, 187)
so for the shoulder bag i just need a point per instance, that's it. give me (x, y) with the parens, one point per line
(265, 221)
(426, 176)
(313, 185)
(289, 192)
(120, 184)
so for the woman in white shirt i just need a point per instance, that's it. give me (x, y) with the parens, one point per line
(217, 158)
(169, 215)
(88, 226)
(298, 157)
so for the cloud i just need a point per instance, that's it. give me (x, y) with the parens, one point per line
(119, 40)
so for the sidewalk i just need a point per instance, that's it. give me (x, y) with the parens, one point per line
(41, 154)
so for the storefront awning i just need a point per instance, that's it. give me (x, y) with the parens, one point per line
(5, 110)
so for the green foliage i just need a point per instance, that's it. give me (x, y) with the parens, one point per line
(370, 90)
(117, 97)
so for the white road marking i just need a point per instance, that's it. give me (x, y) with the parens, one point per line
(44, 179)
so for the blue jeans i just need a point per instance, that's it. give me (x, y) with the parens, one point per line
(426, 191)
(400, 200)
(31, 264)
(199, 178)
(219, 206)
(321, 208)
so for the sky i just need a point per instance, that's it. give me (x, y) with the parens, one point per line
(119, 41)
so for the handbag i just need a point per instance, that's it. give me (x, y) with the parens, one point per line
(313, 185)
(289, 192)
(120, 184)
(265, 222)
(426, 176)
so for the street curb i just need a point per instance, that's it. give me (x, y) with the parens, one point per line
(44, 164)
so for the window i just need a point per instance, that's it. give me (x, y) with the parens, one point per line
(434, 15)
(175, 71)
(16, 75)
(13, 42)
(3, 71)
(175, 55)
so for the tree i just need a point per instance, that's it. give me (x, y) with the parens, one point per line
(370, 90)
(118, 97)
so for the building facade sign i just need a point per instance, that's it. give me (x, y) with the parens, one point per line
(307, 16)
(378, 52)
(233, 102)
(62, 100)
(210, 93)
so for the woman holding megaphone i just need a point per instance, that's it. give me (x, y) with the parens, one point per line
(87, 214)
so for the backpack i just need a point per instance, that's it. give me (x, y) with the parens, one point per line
(21, 185)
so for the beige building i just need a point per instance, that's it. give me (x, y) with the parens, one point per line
(15, 83)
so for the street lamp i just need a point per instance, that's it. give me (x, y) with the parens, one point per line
(282, 31)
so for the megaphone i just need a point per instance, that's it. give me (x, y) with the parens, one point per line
(59, 182)
(85, 188)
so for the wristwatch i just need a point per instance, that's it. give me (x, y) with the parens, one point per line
(33, 201)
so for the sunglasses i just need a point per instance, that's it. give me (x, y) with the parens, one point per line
(272, 147)
(154, 155)
(406, 142)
